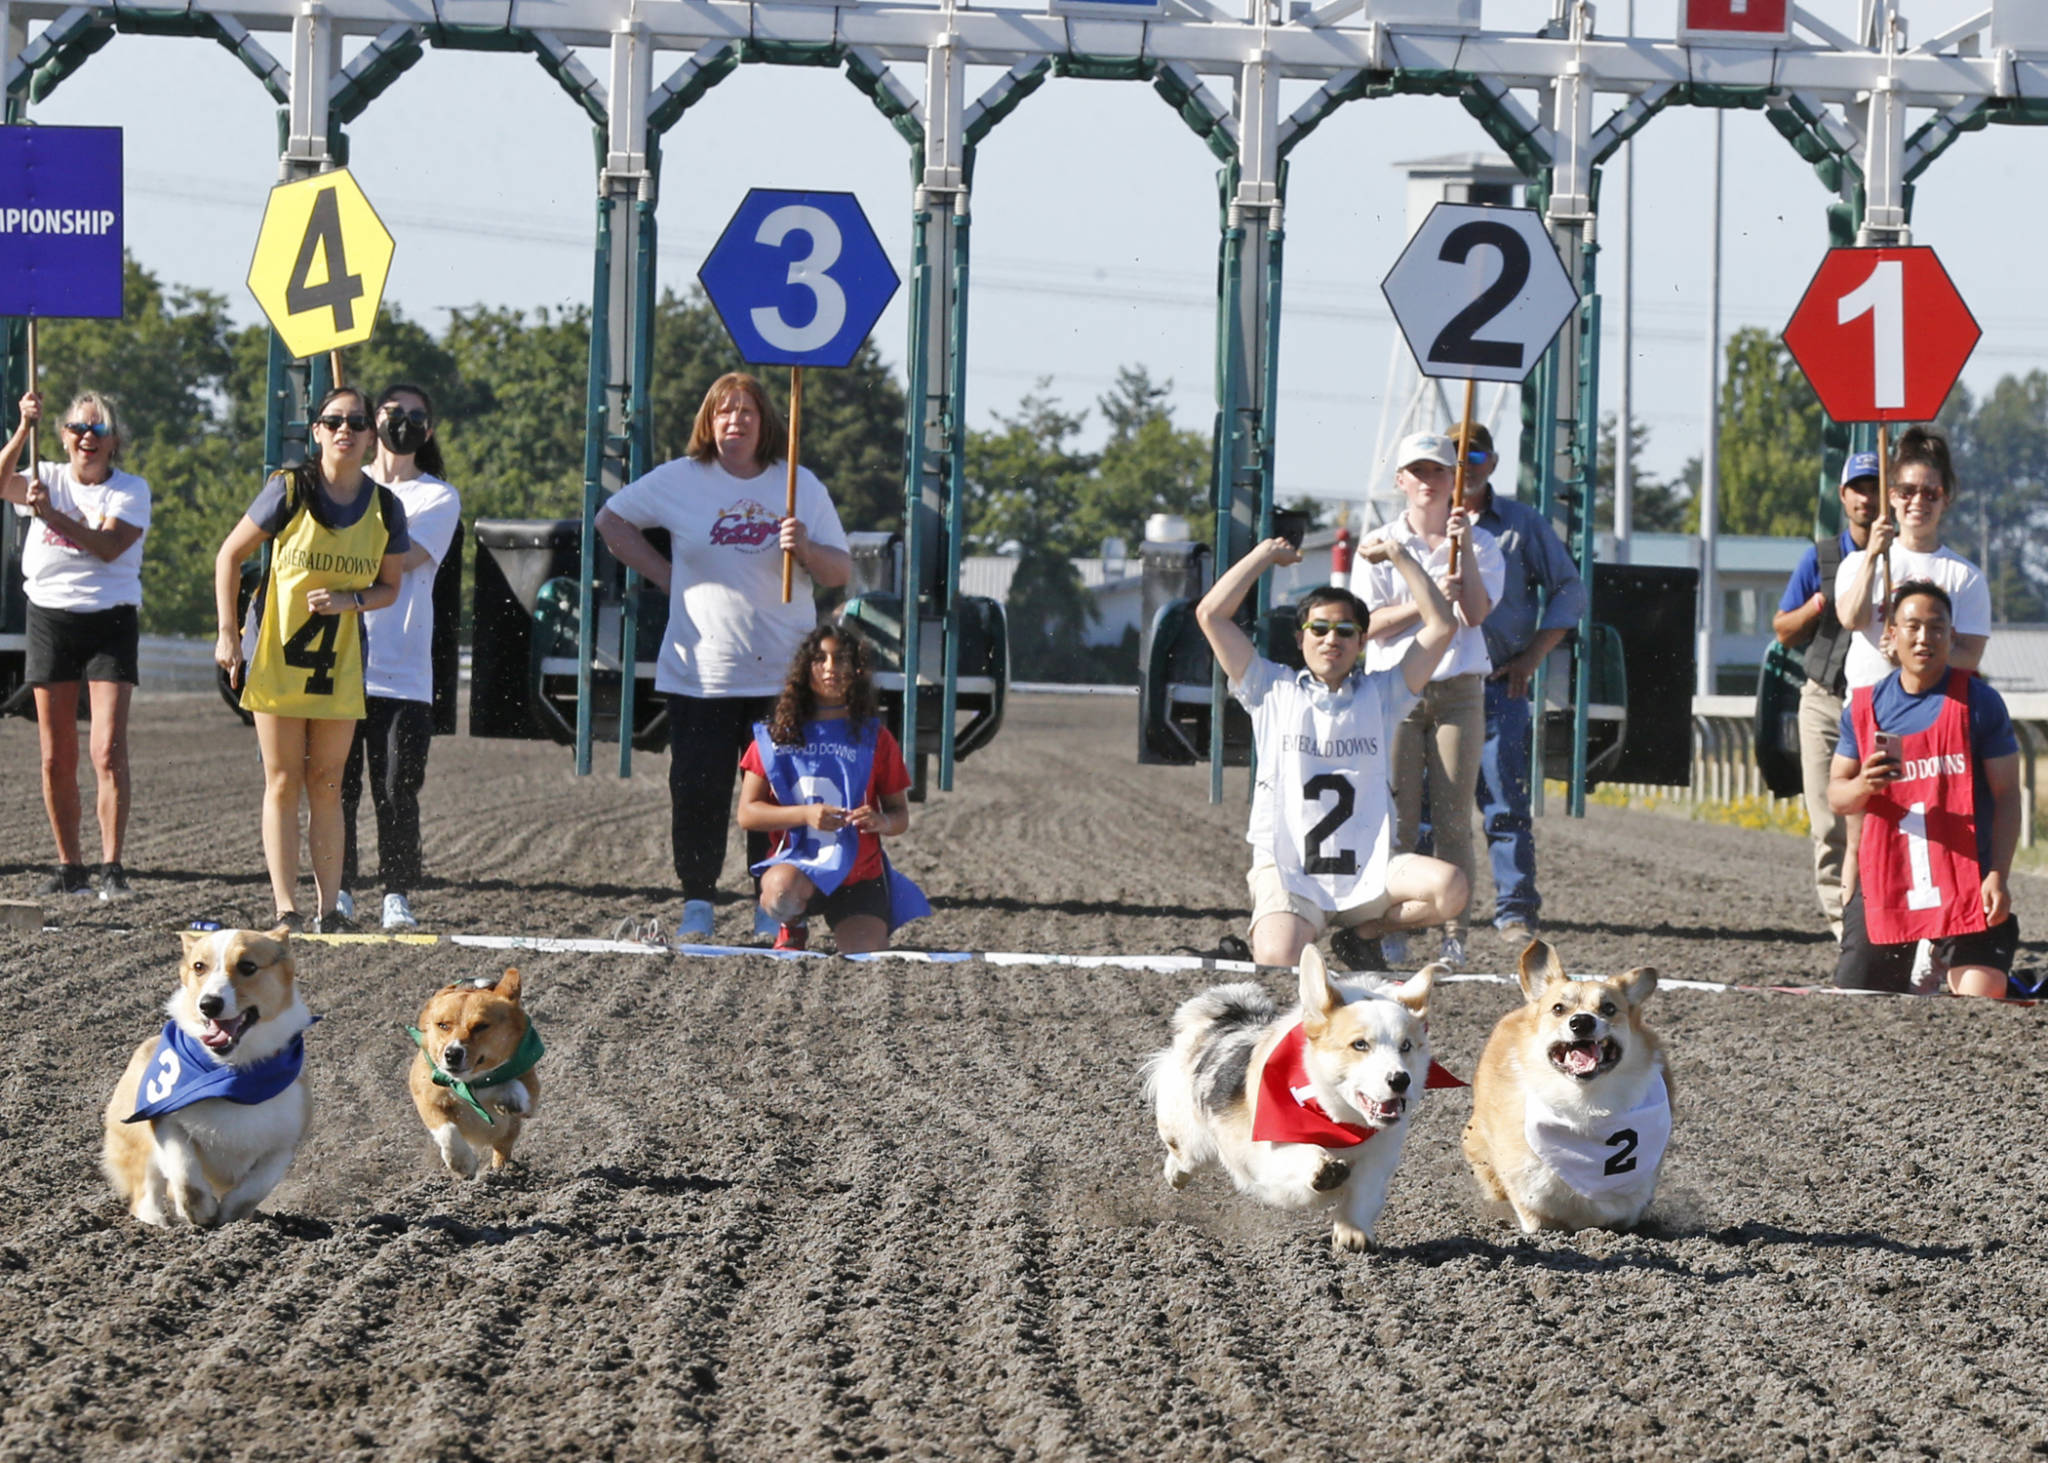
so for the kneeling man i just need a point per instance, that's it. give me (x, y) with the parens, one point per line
(1929, 758)
(1322, 812)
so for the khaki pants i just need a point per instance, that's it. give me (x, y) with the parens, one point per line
(1820, 731)
(1445, 731)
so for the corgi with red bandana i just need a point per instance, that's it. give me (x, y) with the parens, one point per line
(1306, 1108)
(1571, 1105)
(210, 1112)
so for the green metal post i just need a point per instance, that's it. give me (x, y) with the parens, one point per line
(1545, 445)
(1585, 463)
(1229, 385)
(594, 429)
(639, 451)
(956, 493)
(914, 457)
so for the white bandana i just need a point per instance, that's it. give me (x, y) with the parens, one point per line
(1620, 1151)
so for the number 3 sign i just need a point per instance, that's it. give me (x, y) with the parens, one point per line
(321, 259)
(1479, 292)
(1882, 334)
(799, 278)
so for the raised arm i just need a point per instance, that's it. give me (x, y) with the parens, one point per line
(1215, 614)
(1438, 626)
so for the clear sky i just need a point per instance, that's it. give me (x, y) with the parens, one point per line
(1095, 218)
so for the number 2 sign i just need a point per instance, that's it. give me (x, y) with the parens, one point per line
(1479, 292)
(1882, 334)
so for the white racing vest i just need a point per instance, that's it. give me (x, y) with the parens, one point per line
(1615, 1153)
(1322, 812)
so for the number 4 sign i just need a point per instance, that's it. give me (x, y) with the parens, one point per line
(322, 256)
(1882, 334)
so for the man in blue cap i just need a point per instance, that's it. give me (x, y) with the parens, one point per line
(1806, 619)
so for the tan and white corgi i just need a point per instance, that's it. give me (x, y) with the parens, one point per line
(1306, 1108)
(211, 1110)
(1571, 1105)
(473, 1080)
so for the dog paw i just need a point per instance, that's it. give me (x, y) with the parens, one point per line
(1348, 1237)
(1331, 1176)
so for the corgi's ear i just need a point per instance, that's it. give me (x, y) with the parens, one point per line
(1319, 999)
(1414, 991)
(508, 983)
(281, 933)
(1538, 966)
(1638, 984)
(189, 938)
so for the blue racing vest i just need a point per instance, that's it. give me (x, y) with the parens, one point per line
(183, 1072)
(832, 766)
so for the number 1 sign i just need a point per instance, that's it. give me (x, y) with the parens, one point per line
(1882, 334)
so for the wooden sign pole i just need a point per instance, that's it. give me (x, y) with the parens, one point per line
(1458, 473)
(796, 427)
(33, 455)
(1884, 511)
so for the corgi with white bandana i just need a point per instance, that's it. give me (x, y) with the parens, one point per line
(1571, 1105)
(211, 1110)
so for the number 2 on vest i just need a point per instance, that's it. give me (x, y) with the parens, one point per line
(1313, 860)
(303, 652)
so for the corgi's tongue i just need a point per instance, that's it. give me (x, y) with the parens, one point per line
(1581, 1058)
(216, 1037)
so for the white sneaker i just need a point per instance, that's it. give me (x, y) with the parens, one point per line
(398, 914)
(1395, 948)
(695, 925)
(345, 905)
(1930, 976)
(766, 925)
(1453, 952)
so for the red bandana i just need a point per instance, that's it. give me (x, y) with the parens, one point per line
(1286, 1110)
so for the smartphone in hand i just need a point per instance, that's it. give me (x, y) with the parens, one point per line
(1884, 747)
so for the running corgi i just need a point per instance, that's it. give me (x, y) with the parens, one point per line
(473, 1080)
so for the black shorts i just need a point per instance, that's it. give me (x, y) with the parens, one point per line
(82, 645)
(1866, 966)
(869, 896)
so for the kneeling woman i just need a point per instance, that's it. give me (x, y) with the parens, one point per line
(825, 774)
(341, 547)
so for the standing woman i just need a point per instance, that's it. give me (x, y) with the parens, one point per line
(730, 638)
(82, 568)
(398, 665)
(340, 550)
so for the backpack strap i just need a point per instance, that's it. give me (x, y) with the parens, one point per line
(1827, 654)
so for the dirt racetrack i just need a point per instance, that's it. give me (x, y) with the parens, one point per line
(815, 1209)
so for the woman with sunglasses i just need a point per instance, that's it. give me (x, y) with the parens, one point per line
(1439, 743)
(81, 566)
(398, 668)
(730, 637)
(339, 551)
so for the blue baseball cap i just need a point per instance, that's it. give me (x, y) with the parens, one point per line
(1859, 465)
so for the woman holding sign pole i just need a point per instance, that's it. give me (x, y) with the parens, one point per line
(340, 547)
(82, 568)
(730, 638)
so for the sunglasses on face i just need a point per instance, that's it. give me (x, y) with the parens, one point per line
(355, 421)
(86, 429)
(1915, 490)
(1342, 629)
(417, 415)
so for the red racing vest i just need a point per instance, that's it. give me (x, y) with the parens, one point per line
(1918, 855)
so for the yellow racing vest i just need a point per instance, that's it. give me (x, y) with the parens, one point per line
(305, 664)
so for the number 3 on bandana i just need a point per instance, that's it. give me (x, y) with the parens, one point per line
(160, 1083)
(302, 652)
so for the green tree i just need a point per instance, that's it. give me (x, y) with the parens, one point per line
(1148, 466)
(2000, 448)
(1658, 506)
(1769, 439)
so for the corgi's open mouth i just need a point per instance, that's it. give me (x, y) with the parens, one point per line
(1381, 1114)
(1585, 1060)
(221, 1037)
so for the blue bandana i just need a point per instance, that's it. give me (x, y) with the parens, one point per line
(183, 1072)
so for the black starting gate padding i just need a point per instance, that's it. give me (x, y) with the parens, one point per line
(14, 696)
(1777, 720)
(1656, 605)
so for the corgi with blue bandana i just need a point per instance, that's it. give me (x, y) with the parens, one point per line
(1571, 1105)
(211, 1110)
(473, 1079)
(1305, 1108)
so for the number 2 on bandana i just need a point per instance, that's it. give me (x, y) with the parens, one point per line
(300, 651)
(1625, 1160)
(1313, 859)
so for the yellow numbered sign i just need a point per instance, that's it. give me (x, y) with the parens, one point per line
(321, 260)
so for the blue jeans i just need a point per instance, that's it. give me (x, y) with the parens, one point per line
(1504, 806)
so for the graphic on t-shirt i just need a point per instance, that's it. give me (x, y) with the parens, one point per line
(57, 540)
(746, 525)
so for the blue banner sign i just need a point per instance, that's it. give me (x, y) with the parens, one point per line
(60, 222)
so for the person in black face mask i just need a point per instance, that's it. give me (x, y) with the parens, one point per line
(398, 671)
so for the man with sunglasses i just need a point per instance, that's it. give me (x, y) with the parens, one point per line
(1322, 813)
(1540, 602)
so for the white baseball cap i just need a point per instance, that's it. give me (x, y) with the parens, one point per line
(1426, 447)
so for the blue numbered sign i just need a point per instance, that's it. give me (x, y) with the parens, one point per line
(798, 278)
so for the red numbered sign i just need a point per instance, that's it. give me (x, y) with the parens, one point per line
(1881, 334)
(1703, 20)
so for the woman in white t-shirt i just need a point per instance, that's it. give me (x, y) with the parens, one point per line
(729, 638)
(398, 662)
(1922, 485)
(82, 568)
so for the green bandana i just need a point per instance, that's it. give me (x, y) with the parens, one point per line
(530, 1051)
